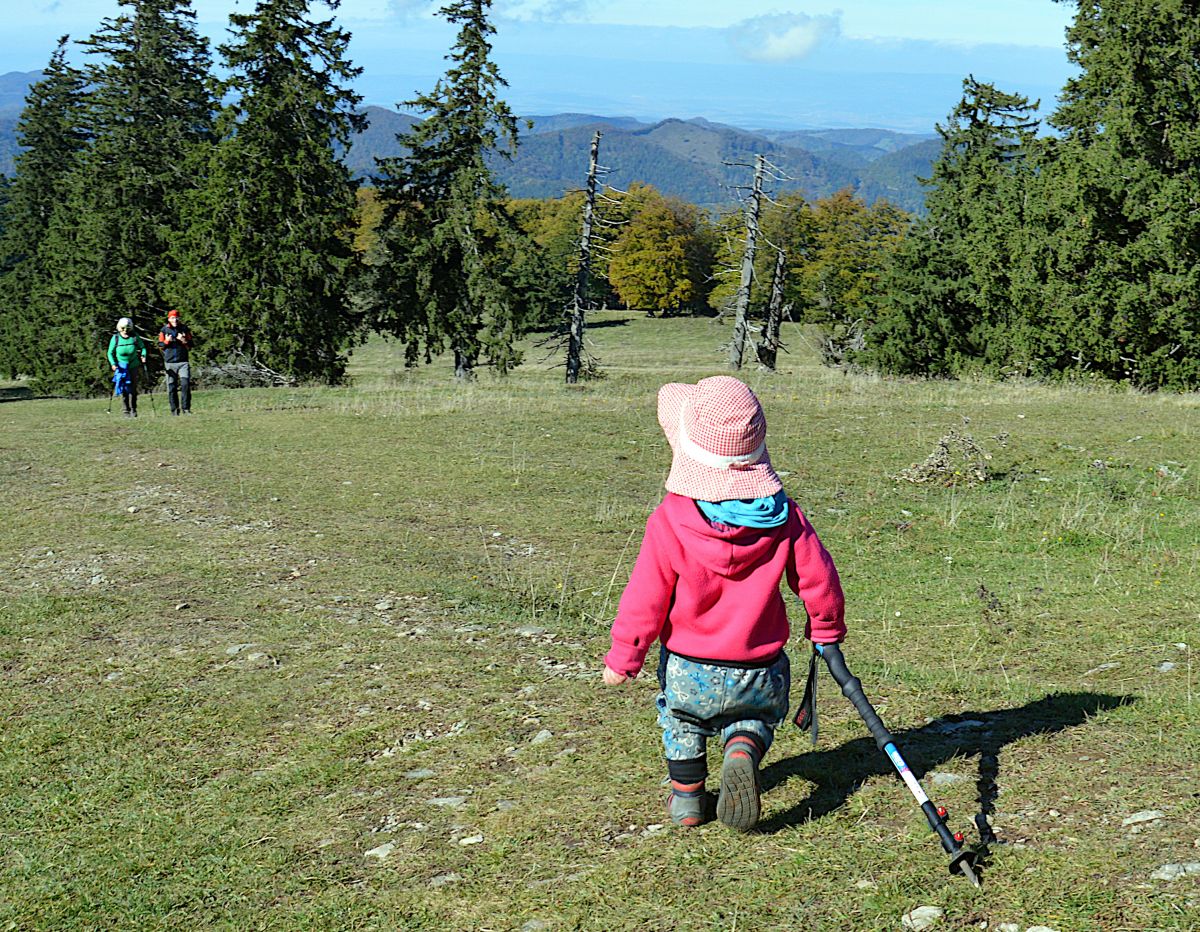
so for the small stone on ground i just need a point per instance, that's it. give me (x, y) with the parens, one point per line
(1175, 871)
(1146, 815)
(923, 917)
(382, 851)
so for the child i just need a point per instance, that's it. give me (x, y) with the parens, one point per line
(706, 586)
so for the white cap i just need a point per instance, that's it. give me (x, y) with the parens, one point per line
(123, 323)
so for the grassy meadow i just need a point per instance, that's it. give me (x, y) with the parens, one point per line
(329, 658)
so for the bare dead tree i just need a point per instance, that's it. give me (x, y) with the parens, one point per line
(737, 346)
(768, 347)
(583, 273)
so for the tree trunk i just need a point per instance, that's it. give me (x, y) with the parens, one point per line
(768, 349)
(579, 299)
(737, 347)
(464, 365)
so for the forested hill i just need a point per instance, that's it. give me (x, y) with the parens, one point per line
(688, 158)
(685, 158)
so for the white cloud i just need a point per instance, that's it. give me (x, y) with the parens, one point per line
(409, 8)
(521, 10)
(544, 10)
(782, 37)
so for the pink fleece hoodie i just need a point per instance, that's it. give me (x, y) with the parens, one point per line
(712, 593)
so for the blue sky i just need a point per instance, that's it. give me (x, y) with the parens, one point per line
(787, 64)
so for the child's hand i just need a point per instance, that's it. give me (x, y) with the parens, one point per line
(612, 677)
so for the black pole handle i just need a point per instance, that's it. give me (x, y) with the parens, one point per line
(852, 690)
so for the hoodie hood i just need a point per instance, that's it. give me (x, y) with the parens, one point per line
(725, 551)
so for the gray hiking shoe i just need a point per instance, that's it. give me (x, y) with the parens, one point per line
(738, 806)
(689, 809)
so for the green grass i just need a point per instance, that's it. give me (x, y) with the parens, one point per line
(358, 565)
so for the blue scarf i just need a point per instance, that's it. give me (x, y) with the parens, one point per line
(771, 511)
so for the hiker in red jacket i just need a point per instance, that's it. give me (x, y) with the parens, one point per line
(706, 586)
(176, 342)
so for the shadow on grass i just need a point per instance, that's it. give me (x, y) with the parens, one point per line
(839, 772)
(18, 393)
(557, 330)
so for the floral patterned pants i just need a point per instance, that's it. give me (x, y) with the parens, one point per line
(698, 701)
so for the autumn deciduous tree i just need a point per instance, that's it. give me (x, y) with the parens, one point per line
(551, 257)
(661, 258)
(849, 247)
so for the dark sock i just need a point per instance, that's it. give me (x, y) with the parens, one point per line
(745, 741)
(687, 773)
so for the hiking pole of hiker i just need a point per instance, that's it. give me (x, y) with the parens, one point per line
(149, 389)
(962, 859)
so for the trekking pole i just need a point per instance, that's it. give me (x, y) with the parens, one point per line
(962, 859)
(149, 387)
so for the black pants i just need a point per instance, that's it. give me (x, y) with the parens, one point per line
(129, 399)
(179, 387)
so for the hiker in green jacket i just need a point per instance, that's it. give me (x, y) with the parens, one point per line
(126, 353)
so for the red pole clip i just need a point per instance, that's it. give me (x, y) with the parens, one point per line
(941, 811)
(958, 836)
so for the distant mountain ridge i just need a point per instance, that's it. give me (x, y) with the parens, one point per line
(698, 160)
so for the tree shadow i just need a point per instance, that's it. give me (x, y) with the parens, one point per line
(16, 393)
(558, 330)
(839, 773)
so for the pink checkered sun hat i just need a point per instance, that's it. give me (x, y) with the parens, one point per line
(718, 434)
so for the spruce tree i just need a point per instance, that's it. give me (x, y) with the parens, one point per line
(108, 249)
(10, 350)
(444, 276)
(267, 256)
(51, 138)
(550, 261)
(946, 305)
(1126, 174)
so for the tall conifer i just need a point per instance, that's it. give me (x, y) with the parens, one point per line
(1127, 172)
(444, 277)
(51, 138)
(107, 252)
(947, 301)
(267, 255)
